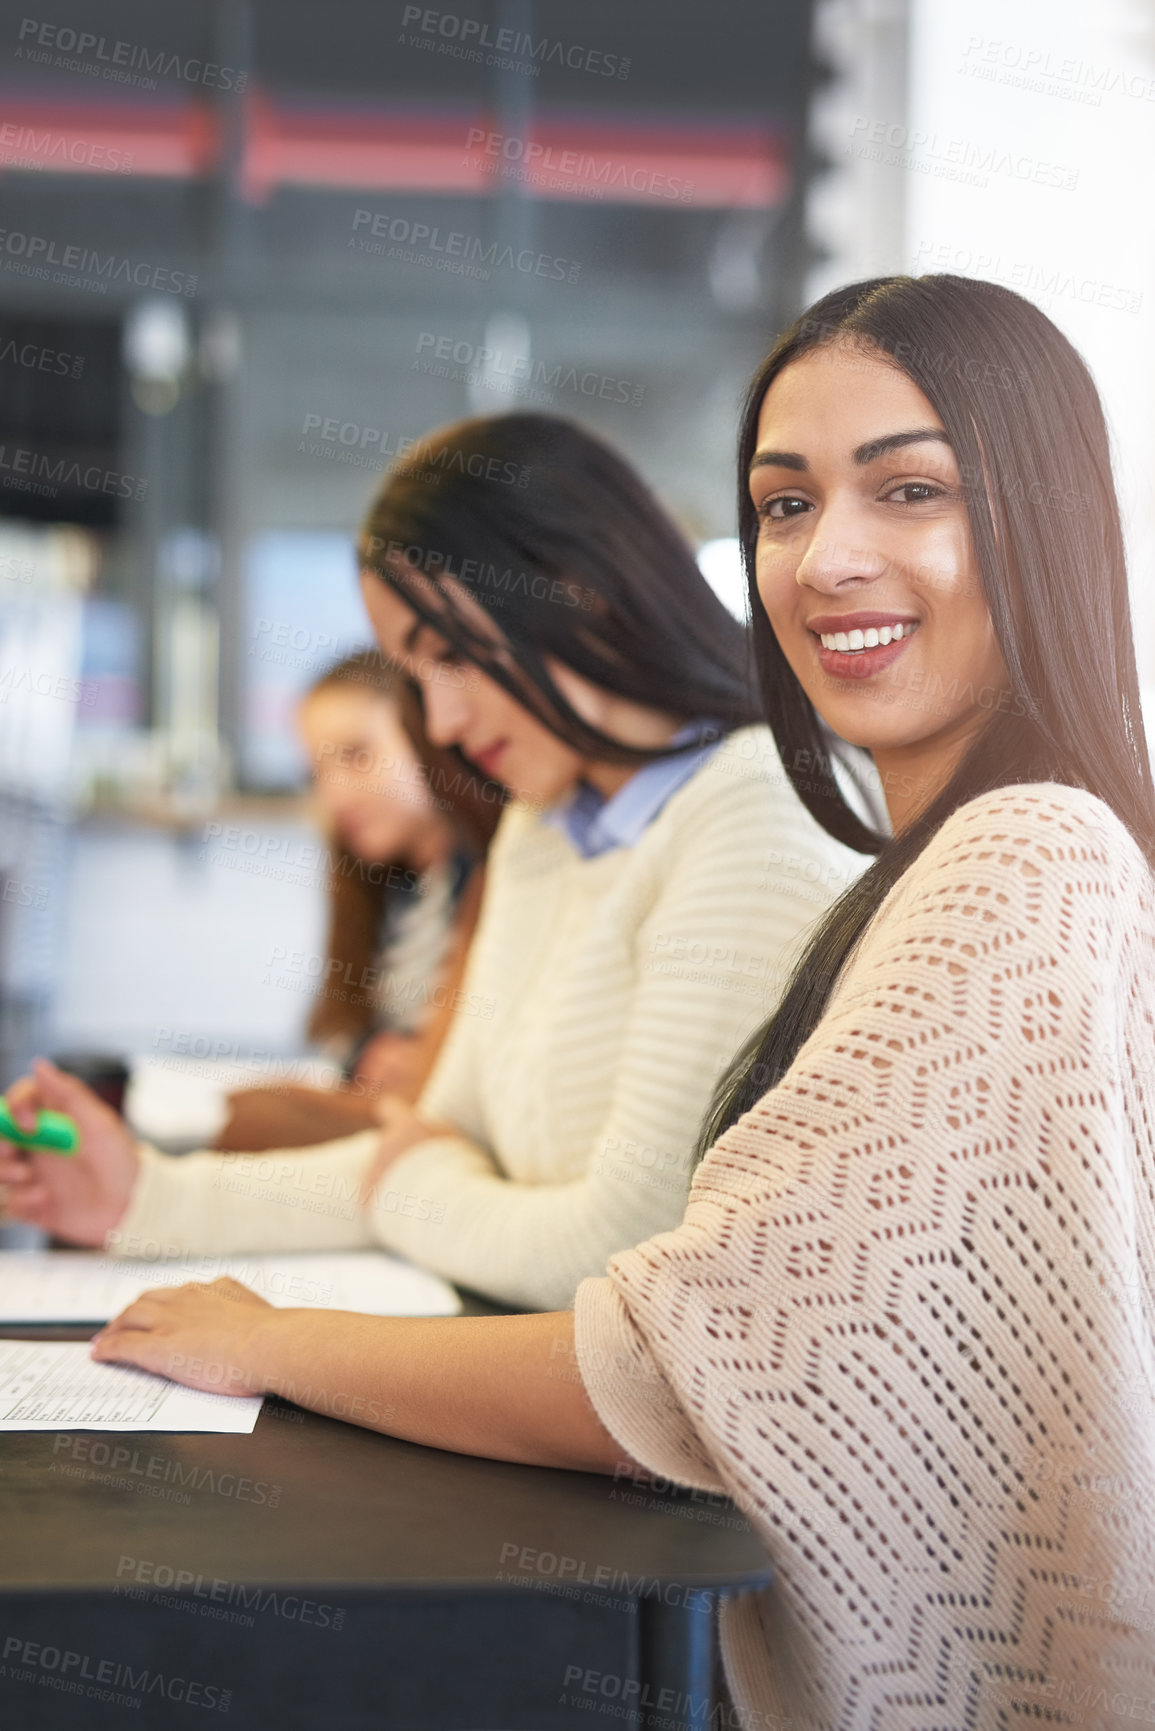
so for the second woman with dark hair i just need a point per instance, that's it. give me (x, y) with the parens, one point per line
(646, 890)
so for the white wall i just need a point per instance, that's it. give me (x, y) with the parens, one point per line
(1029, 155)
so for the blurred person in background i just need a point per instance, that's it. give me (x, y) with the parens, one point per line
(408, 827)
(649, 883)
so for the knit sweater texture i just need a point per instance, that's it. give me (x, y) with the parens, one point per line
(602, 1000)
(908, 1323)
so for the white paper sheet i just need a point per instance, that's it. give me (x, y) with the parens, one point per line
(183, 1102)
(69, 1286)
(57, 1386)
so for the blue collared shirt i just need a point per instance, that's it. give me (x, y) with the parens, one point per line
(595, 824)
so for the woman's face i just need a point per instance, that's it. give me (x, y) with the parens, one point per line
(865, 565)
(465, 708)
(366, 773)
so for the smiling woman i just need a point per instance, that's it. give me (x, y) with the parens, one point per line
(947, 468)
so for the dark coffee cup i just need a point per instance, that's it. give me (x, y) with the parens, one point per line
(106, 1075)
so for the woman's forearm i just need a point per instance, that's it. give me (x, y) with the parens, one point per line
(507, 1387)
(293, 1117)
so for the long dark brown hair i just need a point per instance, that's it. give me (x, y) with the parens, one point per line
(359, 892)
(1025, 423)
(573, 558)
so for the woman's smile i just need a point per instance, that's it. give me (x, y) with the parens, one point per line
(859, 645)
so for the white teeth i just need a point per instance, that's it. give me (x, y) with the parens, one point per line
(851, 642)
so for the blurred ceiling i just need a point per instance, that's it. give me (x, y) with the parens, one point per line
(609, 101)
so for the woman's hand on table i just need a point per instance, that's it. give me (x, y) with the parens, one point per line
(79, 1197)
(207, 1337)
(503, 1386)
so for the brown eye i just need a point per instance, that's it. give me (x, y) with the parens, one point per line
(922, 492)
(783, 505)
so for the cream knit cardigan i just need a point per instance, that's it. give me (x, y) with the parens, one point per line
(602, 1000)
(909, 1320)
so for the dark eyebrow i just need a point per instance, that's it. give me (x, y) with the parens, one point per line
(894, 441)
(779, 460)
(863, 454)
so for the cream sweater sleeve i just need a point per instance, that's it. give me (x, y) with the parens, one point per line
(714, 925)
(223, 1204)
(909, 1321)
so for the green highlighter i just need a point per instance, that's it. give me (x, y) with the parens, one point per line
(55, 1132)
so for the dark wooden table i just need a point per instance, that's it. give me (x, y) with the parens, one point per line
(315, 1575)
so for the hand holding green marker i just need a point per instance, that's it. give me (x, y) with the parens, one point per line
(55, 1132)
